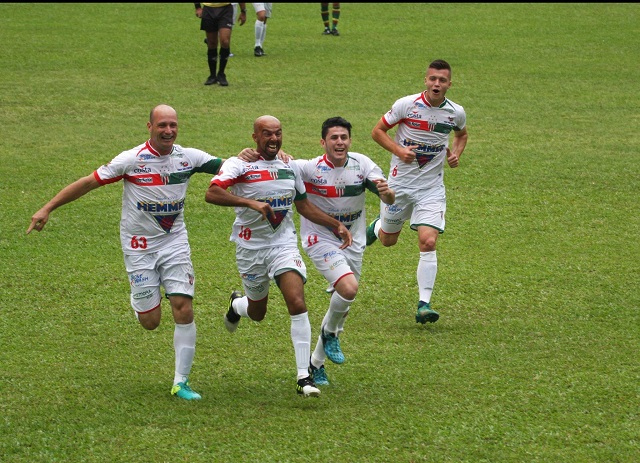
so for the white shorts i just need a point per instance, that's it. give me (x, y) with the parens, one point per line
(258, 267)
(333, 262)
(421, 207)
(266, 7)
(170, 267)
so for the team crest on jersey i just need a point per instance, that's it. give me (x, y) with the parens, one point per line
(280, 215)
(166, 221)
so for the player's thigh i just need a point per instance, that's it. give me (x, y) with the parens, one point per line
(429, 210)
(281, 260)
(332, 262)
(176, 271)
(253, 269)
(393, 216)
(144, 281)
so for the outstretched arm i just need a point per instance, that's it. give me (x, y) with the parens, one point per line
(69, 193)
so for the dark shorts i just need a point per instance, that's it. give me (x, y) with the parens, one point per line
(214, 19)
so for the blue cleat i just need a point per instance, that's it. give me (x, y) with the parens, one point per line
(184, 391)
(319, 375)
(331, 345)
(426, 313)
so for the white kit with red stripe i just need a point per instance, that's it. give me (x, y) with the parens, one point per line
(274, 182)
(340, 192)
(419, 123)
(155, 187)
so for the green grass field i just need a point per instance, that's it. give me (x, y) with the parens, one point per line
(535, 356)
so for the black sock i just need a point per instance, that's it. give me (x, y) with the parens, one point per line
(212, 58)
(224, 57)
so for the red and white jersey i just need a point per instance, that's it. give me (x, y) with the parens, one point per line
(339, 192)
(155, 187)
(274, 182)
(429, 127)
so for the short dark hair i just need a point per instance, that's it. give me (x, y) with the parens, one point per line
(440, 64)
(335, 122)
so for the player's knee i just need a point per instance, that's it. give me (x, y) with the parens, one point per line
(349, 293)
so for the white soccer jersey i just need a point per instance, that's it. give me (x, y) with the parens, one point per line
(274, 182)
(421, 124)
(155, 187)
(340, 192)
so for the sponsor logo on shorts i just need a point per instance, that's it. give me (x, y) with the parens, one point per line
(146, 294)
(249, 276)
(327, 256)
(137, 279)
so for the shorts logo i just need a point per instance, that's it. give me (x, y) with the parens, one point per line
(137, 279)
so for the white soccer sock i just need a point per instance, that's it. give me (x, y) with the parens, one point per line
(334, 318)
(301, 338)
(240, 305)
(184, 344)
(318, 357)
(376, 228)
(259, 26)
(264, 33)
(427, 269)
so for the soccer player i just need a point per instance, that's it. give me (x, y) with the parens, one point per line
(335, 17)
(421, 145)
(263, 194)
(336, 182)
(217, 21)
(152, 229)
(263, 12)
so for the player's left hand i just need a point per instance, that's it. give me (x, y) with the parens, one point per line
(452, 159)
(249, 155)
(284, 157)
(345, 234)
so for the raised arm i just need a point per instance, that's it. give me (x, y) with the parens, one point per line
(69, 193)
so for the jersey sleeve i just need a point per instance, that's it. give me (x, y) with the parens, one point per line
(394, 115)
(301, 191)
(461, 119)
(115, 170)
(228, 173)
(204, 162)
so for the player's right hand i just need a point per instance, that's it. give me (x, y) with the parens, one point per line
(38, 221)
(264, 209)
(406, 153)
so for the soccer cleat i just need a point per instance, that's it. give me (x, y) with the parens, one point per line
(184, 391)
(330, 289)
(222, 80)
(335, 32)
(307, 388)
(258, 51)
(327, 31)
(331, 345)
(319, 375)
(211, 80)
(426, 313)
(371, 236)
(231, 318)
